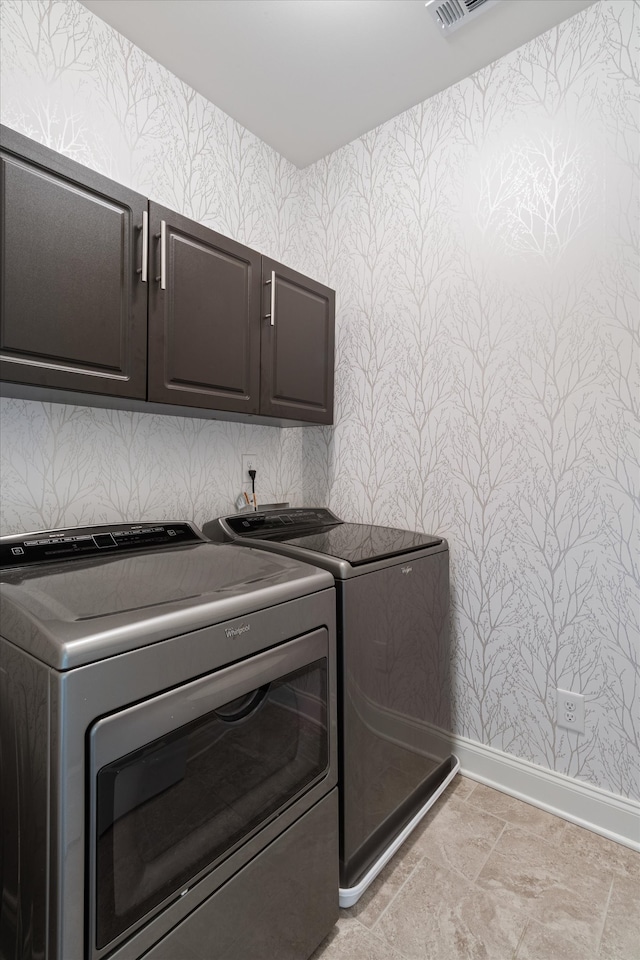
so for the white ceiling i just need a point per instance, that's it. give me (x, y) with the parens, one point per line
(308, 76)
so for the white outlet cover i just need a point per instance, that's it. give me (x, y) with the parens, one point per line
(570, 710)
(249, 462)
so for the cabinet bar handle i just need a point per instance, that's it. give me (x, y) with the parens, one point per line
(144, 266)
(163, 255)
(272, 316)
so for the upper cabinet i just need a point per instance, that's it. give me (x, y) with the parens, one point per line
(297, 345)
(74, 307)
(106, 293)
(204, 317)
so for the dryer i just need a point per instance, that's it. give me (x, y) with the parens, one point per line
(167, 748)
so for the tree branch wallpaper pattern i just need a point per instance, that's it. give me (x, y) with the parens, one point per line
(484, 246)
(484, 249)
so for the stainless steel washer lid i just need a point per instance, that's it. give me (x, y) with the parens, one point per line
(75, 612)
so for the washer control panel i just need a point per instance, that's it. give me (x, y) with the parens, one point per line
(266, 523)
(49, 545)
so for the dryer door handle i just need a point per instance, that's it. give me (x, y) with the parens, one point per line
(243, 707)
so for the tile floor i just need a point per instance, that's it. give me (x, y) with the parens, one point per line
(487, 877)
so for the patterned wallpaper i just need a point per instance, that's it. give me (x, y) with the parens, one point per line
(484, 250)
(73, 83)
(484, 246)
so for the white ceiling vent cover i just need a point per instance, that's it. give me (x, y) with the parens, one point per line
(451, 14)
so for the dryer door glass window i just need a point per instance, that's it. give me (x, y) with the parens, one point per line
(169, 810)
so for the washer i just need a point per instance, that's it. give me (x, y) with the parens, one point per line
(394, 715)
(167, 748)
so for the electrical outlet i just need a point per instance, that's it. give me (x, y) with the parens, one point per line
(249, 462)
(570, 710)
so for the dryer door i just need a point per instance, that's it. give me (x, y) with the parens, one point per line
(182, 780)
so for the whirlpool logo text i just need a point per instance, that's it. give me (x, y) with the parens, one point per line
(237, 631)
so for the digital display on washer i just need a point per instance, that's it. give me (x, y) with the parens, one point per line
(104, 540)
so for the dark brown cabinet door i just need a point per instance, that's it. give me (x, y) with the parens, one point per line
(204, 319)
(73, 310)
(297, 345)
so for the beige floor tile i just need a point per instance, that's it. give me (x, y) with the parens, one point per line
(379, 895)
(568, 915)
(601, 854)
(530, 873)
(540, 893)
(521, 814)
(621, 936)
(457, 835)
(540, 943)
(349, 940)
(460, 787)
(438, 915)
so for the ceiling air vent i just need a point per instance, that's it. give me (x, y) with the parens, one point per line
(451, 14)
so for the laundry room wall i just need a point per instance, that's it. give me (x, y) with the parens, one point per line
(73, 83)
(484, 247)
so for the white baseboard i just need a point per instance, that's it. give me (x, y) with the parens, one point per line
(616, 818)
